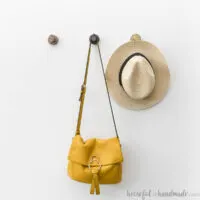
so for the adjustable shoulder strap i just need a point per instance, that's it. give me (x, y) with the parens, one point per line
(83, 91)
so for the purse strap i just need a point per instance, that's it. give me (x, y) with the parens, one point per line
(83, 87)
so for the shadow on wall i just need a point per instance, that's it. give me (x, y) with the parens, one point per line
(131, 168)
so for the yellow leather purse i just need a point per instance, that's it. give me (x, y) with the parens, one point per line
(95, 161)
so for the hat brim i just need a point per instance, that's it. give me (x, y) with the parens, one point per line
(158, 64)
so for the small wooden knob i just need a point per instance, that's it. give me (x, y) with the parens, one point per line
(53, 39)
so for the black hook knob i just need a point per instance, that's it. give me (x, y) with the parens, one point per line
(94, 39)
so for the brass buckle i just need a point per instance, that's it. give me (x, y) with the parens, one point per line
(83, 88)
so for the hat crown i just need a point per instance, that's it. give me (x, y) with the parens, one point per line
(137, 74)
(138, 78)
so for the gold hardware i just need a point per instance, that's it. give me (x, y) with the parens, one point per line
(92, 161)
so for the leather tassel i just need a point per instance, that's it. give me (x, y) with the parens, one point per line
(95, 184)
(92, 186)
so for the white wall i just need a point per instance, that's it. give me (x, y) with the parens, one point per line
(39, 90)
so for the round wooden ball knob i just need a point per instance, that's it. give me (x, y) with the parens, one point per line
(53, 39)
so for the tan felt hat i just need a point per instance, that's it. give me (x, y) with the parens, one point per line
(137, 74)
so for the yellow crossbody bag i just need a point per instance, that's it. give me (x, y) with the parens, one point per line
(95, 161)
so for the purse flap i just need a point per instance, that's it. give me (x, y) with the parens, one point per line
(107, 150)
